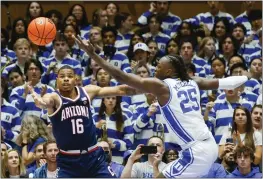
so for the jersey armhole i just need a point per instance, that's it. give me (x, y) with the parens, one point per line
(85, 92)
(60, 105)
(170, 95)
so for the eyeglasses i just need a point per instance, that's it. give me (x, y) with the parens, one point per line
(171, 155)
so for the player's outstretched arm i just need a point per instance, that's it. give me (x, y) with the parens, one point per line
(231, 82)
(146, 85)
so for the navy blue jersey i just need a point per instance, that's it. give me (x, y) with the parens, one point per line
(72, 123)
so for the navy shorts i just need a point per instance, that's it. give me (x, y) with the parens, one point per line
(89, 165)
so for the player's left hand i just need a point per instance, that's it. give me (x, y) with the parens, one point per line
(85, 45)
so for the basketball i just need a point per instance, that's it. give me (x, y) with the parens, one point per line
(41, 31)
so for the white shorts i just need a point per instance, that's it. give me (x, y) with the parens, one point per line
(195, 161)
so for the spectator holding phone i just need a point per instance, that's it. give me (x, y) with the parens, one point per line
(150, 168)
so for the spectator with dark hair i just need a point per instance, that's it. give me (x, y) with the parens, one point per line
(56, 17)
(81, 16)
(115, 167)
(255, 83)
(220, 29)
(233, 60)
(7, 55)
(227, 158)
(136, 38)
(170, 155)
(256, 116)
(49, 169)
(118, 126)
(70, 19)
(210, 17)
(228, 47)
(186, 48)
(20, 96)
(255, 18)
(154, 51)
(170, 22)
(61, 57)
(34, 10)
(112, 10)
(109, 36)
(185, 29)
(244, 158)
(155, 33)
(91, 71)
(100, 18)
(172, 47)
(124, 23)
(22, 50)
(15, 78)
(10, 118)
(39, 159)
(4, 148)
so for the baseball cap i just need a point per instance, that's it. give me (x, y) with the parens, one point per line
(141, 46)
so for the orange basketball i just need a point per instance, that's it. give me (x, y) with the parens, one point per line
(41, 31)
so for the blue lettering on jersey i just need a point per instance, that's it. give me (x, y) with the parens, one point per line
(182, 84)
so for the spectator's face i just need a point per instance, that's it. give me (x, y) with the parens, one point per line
(154, 25)
(238, 33)
(51, 153)
(243, 161)
(237, 71)
(136, 39)
(33, 73)
(109, 38)
(94, 66)
(104, 145)
(256, 116)
(34, 9)
(209, 47)
(110, 102)
(220, 29)
(228, 46)
(39, 154)
(156, 142)
(61, 48)
(233, 61)
(249, 4)
(240, 117)
(3, 150)
(171, 156)
(78, 12)
(69, 32)
(187, 52)
(140, 55)
(16, 79)
(142, 72)
(13, 159)
(95, 36)
(54, 18)
(185, 30)
(20, 27)
(22, 52)
(103, 78)
(162, 7)
(172, 48)
(153, 48)
(218, 68)
(103, 18)
(256, 66)
(256, 24)
(213, 5)
(127, 24)
(232, 93)
(71, 20)
(66, 80)
(111, 9)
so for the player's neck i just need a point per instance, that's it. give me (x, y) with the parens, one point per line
(69, 94)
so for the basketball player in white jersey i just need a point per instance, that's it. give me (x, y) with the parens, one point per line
(179, 98)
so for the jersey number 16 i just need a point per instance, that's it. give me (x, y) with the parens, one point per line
(77, 126)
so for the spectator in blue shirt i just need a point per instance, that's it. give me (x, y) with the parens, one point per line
(244, 157)
(15, 78)
(7, 55)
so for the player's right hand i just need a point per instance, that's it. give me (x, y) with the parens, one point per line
(85, 45)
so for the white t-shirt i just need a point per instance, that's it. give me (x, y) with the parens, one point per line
(145, 170)
(51, 174)
(257, 136)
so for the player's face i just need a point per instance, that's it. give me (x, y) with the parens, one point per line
(78, 12)
(20, 27)
(39, 153)
(243, 161)
(240, 117)
(109, 38)
(16, 79)
(256, 116)
(33, 73)
(161, 68)
(51, 152)
(34, 9)
(172, 48)
(66, 80)
(110, 102)
(256, 66)
(61, 48)
(13, 159)
(142, 72)
(22, 52)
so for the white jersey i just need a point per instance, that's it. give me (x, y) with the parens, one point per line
(183, 113)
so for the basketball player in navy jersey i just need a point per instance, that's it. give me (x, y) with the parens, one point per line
(179, 98)
(73, 127)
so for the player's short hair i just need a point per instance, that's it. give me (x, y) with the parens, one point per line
(47, 143)
(66, 67)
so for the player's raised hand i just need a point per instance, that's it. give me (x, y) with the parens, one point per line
(85, 45)
(37, 98)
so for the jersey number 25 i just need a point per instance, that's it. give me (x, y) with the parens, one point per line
(189, 101)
